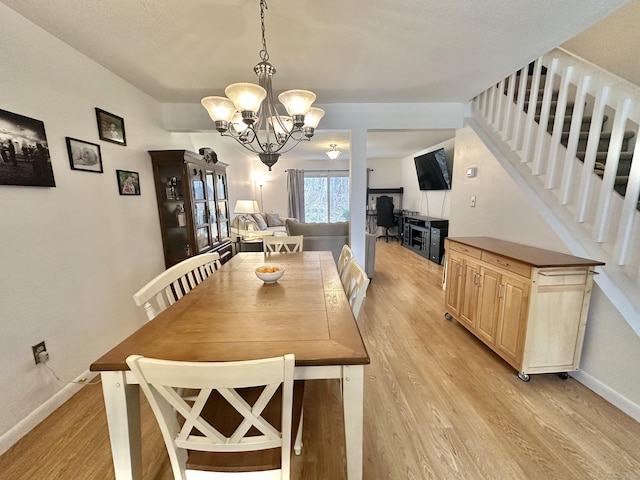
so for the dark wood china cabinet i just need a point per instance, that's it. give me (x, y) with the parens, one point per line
(193, 204)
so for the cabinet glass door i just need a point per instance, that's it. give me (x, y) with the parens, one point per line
(222, 185)
(211, 206)
(224, 218)
(170, 192)
(199, 207)
(223, 204)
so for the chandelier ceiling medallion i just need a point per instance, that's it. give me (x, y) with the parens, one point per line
(248, 113)
(333, 151)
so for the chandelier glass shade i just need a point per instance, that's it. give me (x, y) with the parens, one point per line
(248, 113)
(333, 151)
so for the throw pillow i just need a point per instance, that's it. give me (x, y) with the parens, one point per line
(273, 220)
(260, 221)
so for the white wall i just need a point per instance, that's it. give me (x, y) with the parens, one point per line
(611, 351)
(70, 256)
(430, 203)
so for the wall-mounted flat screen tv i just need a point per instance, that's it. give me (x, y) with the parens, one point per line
(433, 171)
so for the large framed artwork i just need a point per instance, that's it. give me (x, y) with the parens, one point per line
(111, 127)
(24, 153)
(84, 155)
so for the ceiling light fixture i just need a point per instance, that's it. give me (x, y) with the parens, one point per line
(248, 112)
(333, 152)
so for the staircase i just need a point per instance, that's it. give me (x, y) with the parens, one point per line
(626, 154)
(576, 152)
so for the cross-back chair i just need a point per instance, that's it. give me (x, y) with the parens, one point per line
(175, 282)
(355, 282)
(288, 244)
(346, 255)
(229, 428)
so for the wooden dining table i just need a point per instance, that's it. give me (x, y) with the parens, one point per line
(233, 316)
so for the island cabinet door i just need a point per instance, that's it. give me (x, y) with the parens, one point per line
(470, 294)
(512, 319)
(453, 292)
(488, 305)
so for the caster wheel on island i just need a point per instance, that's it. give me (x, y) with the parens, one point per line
(563, 375)
(525, 377)
(448, 316)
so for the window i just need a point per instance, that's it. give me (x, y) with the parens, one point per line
(326, 197)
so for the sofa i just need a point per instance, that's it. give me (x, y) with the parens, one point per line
(263, 224)
(332, 237)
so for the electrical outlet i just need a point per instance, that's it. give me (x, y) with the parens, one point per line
(37, 350)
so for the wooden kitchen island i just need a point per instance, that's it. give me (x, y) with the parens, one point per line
(527, 304)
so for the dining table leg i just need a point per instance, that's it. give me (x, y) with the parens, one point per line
(353, 406)
(122, 404)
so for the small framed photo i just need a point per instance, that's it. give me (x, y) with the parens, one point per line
(128, 182)
(111, 127)
(84, 155)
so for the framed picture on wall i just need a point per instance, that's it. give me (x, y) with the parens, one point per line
(128, 182)
(84, 155)
(111, 127)
(24, 152)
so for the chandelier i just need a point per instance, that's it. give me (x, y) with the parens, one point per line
(333, 151)
(248, 113)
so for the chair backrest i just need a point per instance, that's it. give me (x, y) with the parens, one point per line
(192, 423)
(355, 283)
(346, 255)
(288, 244)
(384, 211)
(175, 282)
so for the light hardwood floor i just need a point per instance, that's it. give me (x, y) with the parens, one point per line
(439, 405)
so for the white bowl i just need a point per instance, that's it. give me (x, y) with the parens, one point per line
(271, 277)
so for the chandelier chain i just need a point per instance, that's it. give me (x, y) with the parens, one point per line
(264, 54)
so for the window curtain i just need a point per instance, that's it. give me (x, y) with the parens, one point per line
(295, 190)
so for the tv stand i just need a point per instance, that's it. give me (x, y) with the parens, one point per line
(425, 236)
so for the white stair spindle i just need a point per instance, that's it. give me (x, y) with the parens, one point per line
(507, 130)
(629, 209)
(531, 110)
(595, 130)
(574, 137)
(558, 125)
(522, 91)
(611, 168)
(539, 150)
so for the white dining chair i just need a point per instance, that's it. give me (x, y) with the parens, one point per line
(175, 282)
(224, 432)
(346, 255)
(284, 243)
(355, 285)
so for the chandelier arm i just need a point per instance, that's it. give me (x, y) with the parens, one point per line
(246, 144)
(294, 145)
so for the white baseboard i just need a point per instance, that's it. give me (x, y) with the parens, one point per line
(27, 424)
(610, 395)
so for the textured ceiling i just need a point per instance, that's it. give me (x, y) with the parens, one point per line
(355, 51)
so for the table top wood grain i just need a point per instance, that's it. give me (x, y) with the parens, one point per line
(233, 316)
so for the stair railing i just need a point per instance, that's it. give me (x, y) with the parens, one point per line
(574, 128)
